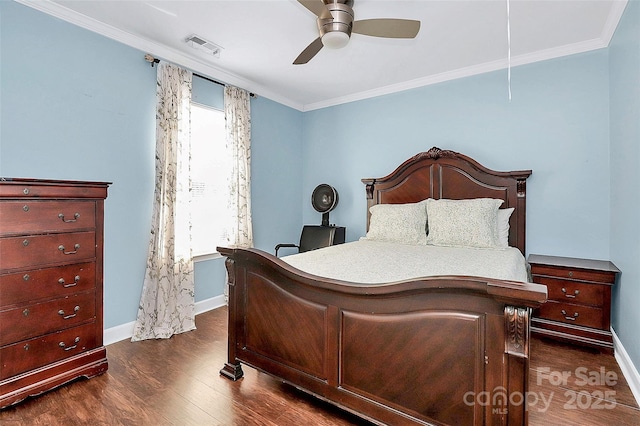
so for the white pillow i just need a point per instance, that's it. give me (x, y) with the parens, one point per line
(503, 226)
(463, 223)
(400, 223)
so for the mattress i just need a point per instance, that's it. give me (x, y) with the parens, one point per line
(378, 262)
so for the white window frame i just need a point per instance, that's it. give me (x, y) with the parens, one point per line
(202, 256)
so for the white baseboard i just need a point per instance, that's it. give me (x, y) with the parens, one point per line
(125, 331)
(626, 365)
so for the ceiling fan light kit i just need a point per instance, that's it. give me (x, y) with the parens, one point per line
(335, 40)
(336, 23)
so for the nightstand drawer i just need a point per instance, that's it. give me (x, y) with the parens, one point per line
(573, 273)
(569, 291)
(586, 316)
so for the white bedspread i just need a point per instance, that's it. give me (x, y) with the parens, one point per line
(376, 262)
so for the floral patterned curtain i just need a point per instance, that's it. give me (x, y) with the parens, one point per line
(238, 127)
(167, 301)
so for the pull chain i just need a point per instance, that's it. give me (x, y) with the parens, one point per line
(509, 50)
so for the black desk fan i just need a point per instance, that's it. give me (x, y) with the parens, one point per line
(323, 199)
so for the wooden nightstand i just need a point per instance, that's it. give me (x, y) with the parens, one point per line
(578, 309)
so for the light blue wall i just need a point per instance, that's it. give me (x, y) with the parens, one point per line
(557, 124)
(276, 173)
(625, 177)
(76, 105)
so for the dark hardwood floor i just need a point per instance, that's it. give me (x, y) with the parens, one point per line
(176, 382)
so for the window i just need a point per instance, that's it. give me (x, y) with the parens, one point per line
(210, 169)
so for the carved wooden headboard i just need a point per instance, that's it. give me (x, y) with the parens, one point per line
(440, 173)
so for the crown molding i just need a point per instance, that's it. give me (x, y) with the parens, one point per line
(155, 49)
(617, 10)
(172, 55)
(496, 65)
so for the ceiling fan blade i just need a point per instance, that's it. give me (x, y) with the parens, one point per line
(317, 7)
(390, 28)
(309, 52)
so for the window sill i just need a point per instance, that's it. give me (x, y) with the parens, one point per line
(205, 257)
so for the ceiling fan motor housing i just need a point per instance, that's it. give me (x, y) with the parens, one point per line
(342, 17)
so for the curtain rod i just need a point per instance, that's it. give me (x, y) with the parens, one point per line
(154, 61)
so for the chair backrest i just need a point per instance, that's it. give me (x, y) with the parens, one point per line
(314, 237)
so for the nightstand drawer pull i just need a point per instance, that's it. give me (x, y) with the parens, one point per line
(75, 218)
(64, 347)
(76, 247)
(567, 317)
(573, 296)
(73, 284)
(75, 312)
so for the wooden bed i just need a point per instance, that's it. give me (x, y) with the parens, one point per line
(433, 350)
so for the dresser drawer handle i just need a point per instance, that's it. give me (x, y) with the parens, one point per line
(64, 347)
(73, 284)
(567, 317)
(76, 247)
(25, 312)
(25, 243)
(26, 277)
(25, 191)
(75, 312)
(573, 296)
(75, 218)
(25, 208)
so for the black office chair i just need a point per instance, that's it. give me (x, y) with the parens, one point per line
(315, 237)
(324, 199)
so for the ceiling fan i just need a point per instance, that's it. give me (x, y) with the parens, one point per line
(335, 25)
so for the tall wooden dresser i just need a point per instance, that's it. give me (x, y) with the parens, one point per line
(51, 325)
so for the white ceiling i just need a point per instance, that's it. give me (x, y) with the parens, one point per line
(260, 40)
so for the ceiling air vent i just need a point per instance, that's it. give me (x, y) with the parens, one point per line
(203, 45)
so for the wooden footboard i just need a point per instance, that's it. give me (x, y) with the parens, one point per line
(439, 350)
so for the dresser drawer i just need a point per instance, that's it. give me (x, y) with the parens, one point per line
(22, 287)
(27, 355)
(33, 251)
(35, 217)
(572, 291)
(29, 321)
(586, 316)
